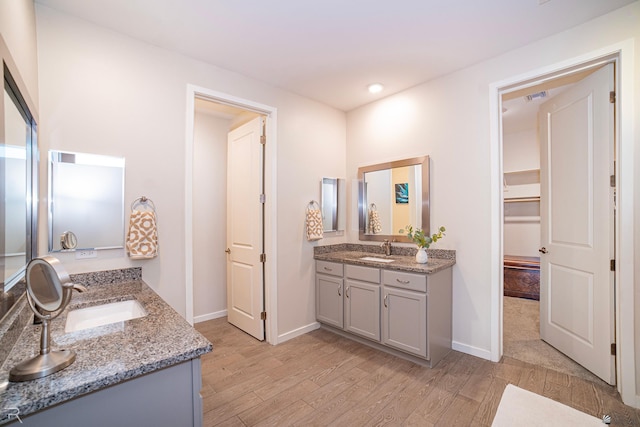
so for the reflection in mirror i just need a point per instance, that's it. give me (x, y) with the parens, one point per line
(18, 168)
(391, 196)
(86, 201)
(333, 204)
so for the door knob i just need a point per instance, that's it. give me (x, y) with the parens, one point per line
(543, 250)
(228, 250)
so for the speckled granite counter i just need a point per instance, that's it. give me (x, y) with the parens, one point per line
(404, 257)
(105, 355)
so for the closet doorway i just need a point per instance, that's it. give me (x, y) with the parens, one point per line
(559, 223)
(211, 261)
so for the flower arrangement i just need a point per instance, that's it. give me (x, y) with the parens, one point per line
(420, 239)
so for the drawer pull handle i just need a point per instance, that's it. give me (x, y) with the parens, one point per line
(339, 289)
(385, 300)
(328, 269)
(404, 282)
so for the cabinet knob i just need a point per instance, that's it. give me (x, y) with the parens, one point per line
(228, 250)
(543, 250)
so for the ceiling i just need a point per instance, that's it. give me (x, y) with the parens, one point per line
(331, 50)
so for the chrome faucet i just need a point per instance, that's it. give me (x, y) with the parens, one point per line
(387, 247)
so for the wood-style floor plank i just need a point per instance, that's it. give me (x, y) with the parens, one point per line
(322, 379)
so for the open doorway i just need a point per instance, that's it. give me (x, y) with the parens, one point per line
(542, 172)
(521, 236)
(211, 118)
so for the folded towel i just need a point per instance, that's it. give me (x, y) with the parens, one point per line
(314, 224)
(375, 226)
(142, 240)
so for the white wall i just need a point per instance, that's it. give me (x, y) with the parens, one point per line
(209, 216)
(105, 93)
(18, 29)
(448, 119)
(521, 150)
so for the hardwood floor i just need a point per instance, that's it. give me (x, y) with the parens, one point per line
(321, 379)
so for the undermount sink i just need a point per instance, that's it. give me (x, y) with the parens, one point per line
(105, 314)
(371, 258)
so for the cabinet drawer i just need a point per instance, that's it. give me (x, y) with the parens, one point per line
(366, 274)
(398, 279)
(327, 267)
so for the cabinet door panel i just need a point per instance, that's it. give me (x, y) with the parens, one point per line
(362, 309)
(329, 306)
(404, 320)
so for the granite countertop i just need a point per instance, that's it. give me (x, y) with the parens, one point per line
(404, 258)
(105, 355)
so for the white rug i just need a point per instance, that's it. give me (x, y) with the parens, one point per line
(519, 407)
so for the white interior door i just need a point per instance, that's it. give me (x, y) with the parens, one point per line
(245, 274)
(577, 220)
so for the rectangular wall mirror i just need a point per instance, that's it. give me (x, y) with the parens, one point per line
(333, 202)
(86, 201)
(391, 196)
(19, 171)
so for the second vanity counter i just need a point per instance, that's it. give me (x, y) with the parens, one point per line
(105, 355)
(353, 254)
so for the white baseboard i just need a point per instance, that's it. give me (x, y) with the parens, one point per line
(297, 332)
(209, 316)
(474, 351)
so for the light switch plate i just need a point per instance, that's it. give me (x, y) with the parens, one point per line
(86, 253)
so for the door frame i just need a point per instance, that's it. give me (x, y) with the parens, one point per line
(623, 56)
(270, 272)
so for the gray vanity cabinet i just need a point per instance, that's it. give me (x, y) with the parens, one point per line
(362, 301)
(405, 313)
(416, 313)
(329, 290)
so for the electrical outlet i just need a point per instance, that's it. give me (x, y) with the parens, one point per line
(86, 253)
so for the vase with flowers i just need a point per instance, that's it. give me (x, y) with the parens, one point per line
(422, 240)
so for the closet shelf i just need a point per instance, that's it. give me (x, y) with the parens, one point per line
(521, 199)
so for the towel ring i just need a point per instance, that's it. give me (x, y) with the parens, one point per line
(373, 207)
(312, 204)
(144, 201)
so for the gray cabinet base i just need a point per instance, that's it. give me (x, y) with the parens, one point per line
(168, 397)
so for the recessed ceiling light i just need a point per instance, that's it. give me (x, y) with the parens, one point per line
(375, 87)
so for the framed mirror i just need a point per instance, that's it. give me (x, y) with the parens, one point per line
(333, 204)
(19, 170)
(391, 196)
(86, 201)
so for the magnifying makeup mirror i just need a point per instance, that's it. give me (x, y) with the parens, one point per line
(49, 290)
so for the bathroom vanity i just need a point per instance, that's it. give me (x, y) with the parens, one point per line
(391, 303)
(144, 371)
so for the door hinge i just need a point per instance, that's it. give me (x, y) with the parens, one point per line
(263, 198)
(263, 315)
(612, 181)
(613, 349)
(612, 97)
(612, 265)
(263, 139)
(263, 257)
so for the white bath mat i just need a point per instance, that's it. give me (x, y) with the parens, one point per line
(519, 407)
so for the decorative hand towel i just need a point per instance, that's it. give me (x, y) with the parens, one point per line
(142, 240)
(375, 226)
(314, 222)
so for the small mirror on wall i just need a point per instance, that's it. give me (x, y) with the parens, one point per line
(86, 201)
(333, 204)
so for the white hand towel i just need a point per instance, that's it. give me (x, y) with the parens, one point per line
(375, 226)
(314, 224)
(142, 239)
